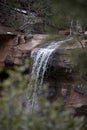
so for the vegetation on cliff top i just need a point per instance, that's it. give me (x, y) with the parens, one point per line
(54, 15)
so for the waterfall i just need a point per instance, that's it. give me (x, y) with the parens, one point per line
(40, 57)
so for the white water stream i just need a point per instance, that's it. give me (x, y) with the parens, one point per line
(41, 57)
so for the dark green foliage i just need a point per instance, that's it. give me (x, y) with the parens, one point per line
(79, 58)
(55, 14)
(73, 9)
(13, 114)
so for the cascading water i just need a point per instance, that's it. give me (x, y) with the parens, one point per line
(41, 57)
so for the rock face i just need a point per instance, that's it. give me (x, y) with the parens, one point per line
(61, 79)
(23, 48)
(60, 74)
(16, 46)
(6, 42)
